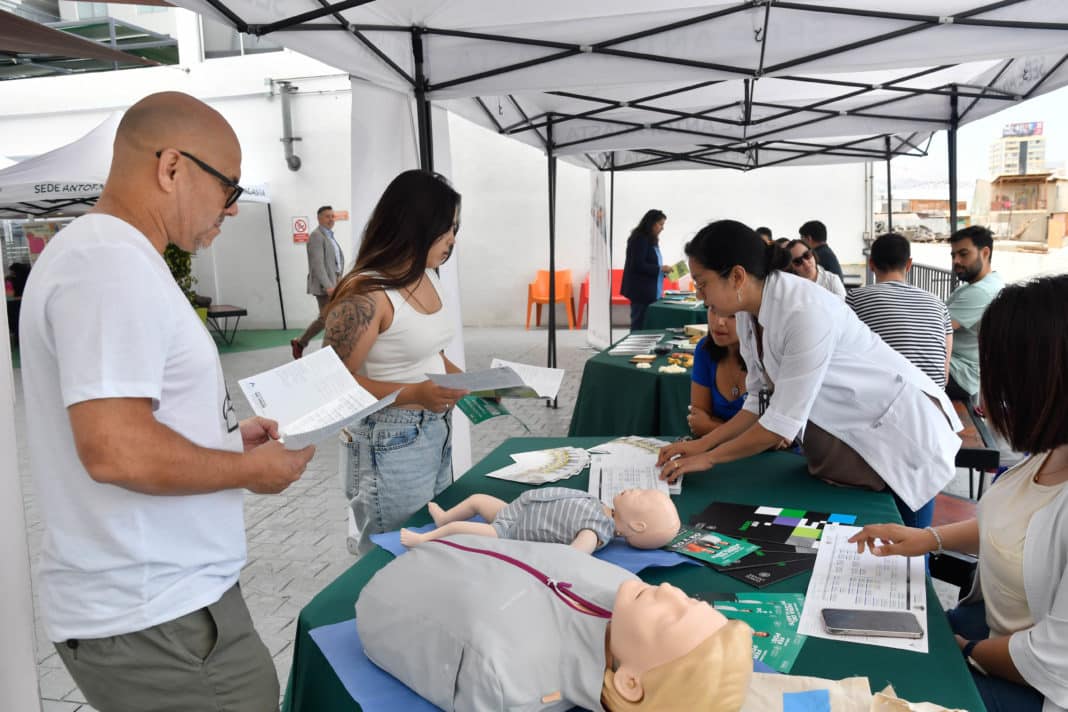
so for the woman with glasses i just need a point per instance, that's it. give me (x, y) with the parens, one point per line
(644, 269)
(868, 417)
(717, 382)
(803, 264)
(389, 323)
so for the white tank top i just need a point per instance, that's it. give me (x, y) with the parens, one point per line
(411, 347)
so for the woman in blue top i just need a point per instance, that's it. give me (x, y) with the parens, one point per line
(717, 386)
(643, 271)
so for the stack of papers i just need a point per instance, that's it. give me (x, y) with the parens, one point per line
(845, 579)
(505, 379)
(631, 445)
(311, 398)
(636, 344)
(634, 468)
(541, 466)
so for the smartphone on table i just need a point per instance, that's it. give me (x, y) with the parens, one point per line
(886, 624)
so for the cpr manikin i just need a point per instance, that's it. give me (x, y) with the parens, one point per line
(486, 624)
(647, 519)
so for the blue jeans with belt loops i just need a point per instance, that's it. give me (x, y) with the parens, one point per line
(397, 461)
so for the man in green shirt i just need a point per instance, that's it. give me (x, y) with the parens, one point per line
(972, 248)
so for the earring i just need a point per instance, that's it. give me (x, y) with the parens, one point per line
(739, 296)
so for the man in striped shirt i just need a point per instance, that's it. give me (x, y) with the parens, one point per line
(912, 321)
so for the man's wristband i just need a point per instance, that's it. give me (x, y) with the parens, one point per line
(966, 651)
(938, 540)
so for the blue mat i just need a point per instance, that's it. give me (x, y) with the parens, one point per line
(617, 551)
(374, 689)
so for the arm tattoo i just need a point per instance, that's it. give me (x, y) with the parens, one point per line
(346, 323)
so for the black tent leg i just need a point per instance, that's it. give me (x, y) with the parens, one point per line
(552, 249)
(277, 275)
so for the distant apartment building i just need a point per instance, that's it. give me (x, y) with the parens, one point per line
(1021, 150)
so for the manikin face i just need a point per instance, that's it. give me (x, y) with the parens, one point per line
(653, 625)
(803, 263)
(719, 294)
(968, 260)
(722, 329)
(645, 517)
(442, 248)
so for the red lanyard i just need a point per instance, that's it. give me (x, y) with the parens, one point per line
(562, 589)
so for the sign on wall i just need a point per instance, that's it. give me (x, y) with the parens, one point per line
(300, 229)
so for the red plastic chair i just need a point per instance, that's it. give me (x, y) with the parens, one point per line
(538, 294)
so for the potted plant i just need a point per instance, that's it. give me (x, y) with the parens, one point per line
(180, 263)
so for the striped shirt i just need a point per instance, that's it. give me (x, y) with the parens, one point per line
(912, 321)
(555, 515)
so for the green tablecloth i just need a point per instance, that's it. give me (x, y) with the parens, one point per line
(772, 479)
(667, 312)
(616, 398)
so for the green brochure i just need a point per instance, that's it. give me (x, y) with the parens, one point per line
(710, 547)
(678, 271)
(773, 618)
(479, 410)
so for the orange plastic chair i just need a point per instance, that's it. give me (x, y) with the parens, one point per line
(584, 301)
(538, 294)
(670, 284)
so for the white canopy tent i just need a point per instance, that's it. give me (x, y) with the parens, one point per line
(67, 181)
(617, 85)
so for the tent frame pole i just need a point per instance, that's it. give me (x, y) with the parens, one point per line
(889, 189)
(422, 104)
(611, 234)
(951, 150)
(277, 275)
(551, 156)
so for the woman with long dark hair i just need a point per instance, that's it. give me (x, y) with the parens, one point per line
(389, 323)
(1013, 626)
(644, 269)
(717, 382)
(870, 418)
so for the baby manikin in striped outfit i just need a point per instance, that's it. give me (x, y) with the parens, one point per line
(647, 519)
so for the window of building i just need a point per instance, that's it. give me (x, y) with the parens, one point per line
(91, 10)
(219, 40)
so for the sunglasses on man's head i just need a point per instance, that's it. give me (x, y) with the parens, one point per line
(797, 261)
(228, 182)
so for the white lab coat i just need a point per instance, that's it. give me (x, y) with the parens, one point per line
(827, 366)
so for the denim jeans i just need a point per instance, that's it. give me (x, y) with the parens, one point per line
(969, 621)
(398, 461)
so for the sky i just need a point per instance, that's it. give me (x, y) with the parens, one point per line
(927, 177)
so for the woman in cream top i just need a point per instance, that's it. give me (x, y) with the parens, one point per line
(1013, 625)
(389, 323)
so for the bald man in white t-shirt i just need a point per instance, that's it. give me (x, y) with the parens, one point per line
(138, 460)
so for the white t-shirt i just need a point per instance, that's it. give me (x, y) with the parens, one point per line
(103, 318)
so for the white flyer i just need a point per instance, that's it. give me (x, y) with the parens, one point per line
(311, 398)
(538, 467)
(842, 578)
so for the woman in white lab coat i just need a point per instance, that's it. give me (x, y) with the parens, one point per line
(867, 416)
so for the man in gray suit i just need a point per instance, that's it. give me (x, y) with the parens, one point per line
(326, 262)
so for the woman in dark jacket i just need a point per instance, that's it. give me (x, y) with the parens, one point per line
(643, 271)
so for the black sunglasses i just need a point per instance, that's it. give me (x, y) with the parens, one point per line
(236, 189)
(807, 255)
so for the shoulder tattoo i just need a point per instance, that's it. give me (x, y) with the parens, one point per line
(346, 323)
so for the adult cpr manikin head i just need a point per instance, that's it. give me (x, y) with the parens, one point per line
(647, 519)
(672, 653)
